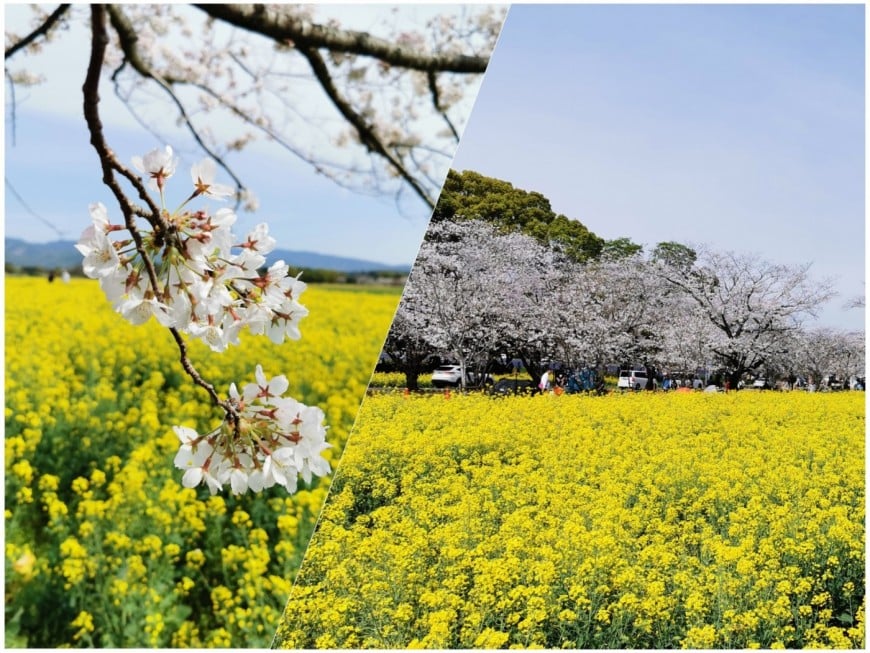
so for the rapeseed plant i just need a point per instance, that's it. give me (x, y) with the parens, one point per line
(104, 545)
(640, 520)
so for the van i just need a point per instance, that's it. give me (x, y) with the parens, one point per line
(632, 379)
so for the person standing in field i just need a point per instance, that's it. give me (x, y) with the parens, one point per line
(544, 385)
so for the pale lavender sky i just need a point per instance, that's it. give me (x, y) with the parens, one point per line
(739, 126)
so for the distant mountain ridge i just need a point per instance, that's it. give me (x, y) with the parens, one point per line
(63, 254)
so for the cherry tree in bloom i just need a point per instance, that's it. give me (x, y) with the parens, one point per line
(816, 353)
(754, 306)
(476, 292)
(449, 298)
(528, 318)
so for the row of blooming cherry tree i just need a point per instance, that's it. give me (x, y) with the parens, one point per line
(476, 293)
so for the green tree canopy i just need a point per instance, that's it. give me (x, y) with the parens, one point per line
(621, 248)
(675, 255)
(469, 195)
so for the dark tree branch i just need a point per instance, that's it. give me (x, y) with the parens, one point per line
(42, 30)
(129, 38)
(366, 134)
(436, 101)
(286, 28)
(229, 410)
(108, 160)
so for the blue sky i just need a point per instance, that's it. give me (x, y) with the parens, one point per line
(738, 126)
(51, 165)
(304, 211)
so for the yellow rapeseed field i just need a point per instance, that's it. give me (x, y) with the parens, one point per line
(639, 520)
(104, 547)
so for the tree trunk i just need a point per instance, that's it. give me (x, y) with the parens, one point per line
(734, 378)
(411, 380)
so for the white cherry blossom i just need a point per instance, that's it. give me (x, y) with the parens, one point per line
(278, 440)
(101, 257)
(158, 164)
(203, 174)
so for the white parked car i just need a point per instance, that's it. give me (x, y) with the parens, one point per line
(446, 375)
(450, 375)
(632, 379)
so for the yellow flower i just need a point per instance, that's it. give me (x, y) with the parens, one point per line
(24, 564)
(241, 518)
(24, 495)
(23, 471)
(85, 624)
(195, 558)
(80, 485)
(665, 512)
(491, 639)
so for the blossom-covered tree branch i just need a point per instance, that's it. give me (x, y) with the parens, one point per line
(194, 276)
(298, 32)
(378, 112)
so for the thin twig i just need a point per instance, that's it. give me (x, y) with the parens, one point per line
(12, 113)
(42, 30)
(193, 374)
(128, 38)
(436, 100)
(60, 232)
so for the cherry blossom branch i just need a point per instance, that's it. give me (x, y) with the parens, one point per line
(367, 135)
(110, 164)
(47, 25)
(128, 38)
(108, 161)
(287, 28)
